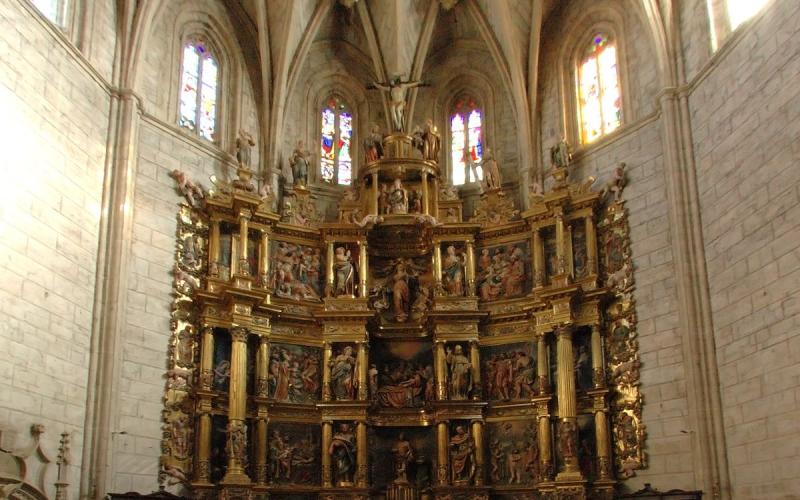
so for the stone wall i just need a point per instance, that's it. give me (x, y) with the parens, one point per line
(745, 125)
(55, 116)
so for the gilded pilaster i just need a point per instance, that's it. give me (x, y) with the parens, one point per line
(327, 352)
(206, 358)
(361, 371)
(470, 265)
(603, 445)
(244, 224)
(480, 467)
(598, 373)
(437, 267)
(373, 201)
(213, 248)
(591, 246)
(538, 258)
(327, 439)
(439, 364)
(545, 446)
(560, 242)
(425, 194)
(203, 467)
(261, 451)
(363, 267)
(542, 370)
(263, 261)
(237, 406)
(442, 449)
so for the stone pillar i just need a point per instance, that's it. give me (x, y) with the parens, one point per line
(542, 370)
(591, 246)
(361, 371)
(538, 258)
(263, 261)
(439, 365)
(470, 265)
(327, 439)
(598, 372)
(603, 445)
(373, 202)
(442, 449)
(327, 352)
(237, 407)
(244, 224)
(363, 269)
(361, 455)
(477, 436)
(329, 277)
(213, 248)
(426, 204)
(567, 403)
(475, 361)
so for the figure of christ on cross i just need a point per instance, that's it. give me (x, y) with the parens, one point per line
(397, 98)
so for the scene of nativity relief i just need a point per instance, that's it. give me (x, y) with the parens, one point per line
(401, 348)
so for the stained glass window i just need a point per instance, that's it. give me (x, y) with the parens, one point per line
(599, 96)
(740, 11)
(198, 102)
(53, 10)
(336, 163)
(466, 142)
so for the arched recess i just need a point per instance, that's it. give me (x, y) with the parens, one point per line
(606, 17)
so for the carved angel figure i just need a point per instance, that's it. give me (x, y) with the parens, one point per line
(191, 191)
(616, 183)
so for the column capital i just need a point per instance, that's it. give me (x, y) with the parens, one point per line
(565, 330)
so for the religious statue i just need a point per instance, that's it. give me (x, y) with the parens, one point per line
(415, 202)
(397, 99)
(560, 155)
(344, 272)
(616, 183)
(244, 143)
(403, 458)
(383, 199)
(401, 292)
(343, 453)
(343, 375)
(491, 172)
(431, 141)
(462, 456)
(398, 198)
(459, 373)
(567, 438)
(299, 162)
(535, 191)
(373, 145)
(453, 271)
(237, 441)
(191, 191)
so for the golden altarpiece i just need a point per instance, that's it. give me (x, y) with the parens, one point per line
(403, 352)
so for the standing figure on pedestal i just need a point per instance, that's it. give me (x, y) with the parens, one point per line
(344, 272)
(400, 292)
(244, 143)
(397, 99)
(398, 198)
(343, 375)
(383, 200)
(459, 371)
(462, 456)
(453, 272)
(431, 141)
(299, 162)
(403, 458)
(373, 145)
(343, 452)
(560, 155)
(491, 172)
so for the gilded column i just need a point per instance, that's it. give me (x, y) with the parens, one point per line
(538, 258)
(591, 246)
(204, 406)
(426, 203)
(262, 383)
(327, 352)
(568, 250)
(598, 373)
(327, 439)
(603, 444)
(263, 262)
(363, 268)
(373, 202)
(329, 270)
(567, 403)
(560, 243)
(542, 370)
(442, 449)
(475, 361)
(437, 266)
(213, 248)
(477, 436)
(244, 225)
(361, 454)
(470, 265)
(261, 450)
(440, 370)
(545, 450)
(237, 406)
(435, 201)
(361, 368)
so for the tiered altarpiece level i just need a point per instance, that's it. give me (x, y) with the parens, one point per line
(402, 352)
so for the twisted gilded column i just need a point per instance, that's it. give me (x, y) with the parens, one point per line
(475, 362)
(477, 436)
(442, 453)
(439, 366)
(327, 352)
(244, 225)
(363, 268)
(470, 265)
(567, 403)
(213, 248)
(237, 406)
(538, 258)
(327, 438)
(361, 454)
(361, 371)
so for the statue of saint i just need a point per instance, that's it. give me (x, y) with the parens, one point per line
(403, 458)
(459, 369)
(398, 198)
(343, 375)
(453, 272)
(244, 144)
(560, 155)
(343, 452)
(400, 292)
(397, 99)
(373, 145)
(299, 162)
(462, 456)
(344, 272)
(491, 172)
(431, 141)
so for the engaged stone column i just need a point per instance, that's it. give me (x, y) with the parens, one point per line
(237, 406)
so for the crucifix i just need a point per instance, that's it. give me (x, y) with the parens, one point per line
(397, 98)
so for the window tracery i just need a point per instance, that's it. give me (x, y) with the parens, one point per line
(466, 141)
(199, 90)
(598, 85)
(336, 133)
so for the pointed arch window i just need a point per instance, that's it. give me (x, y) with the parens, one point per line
(199, 90)
(466, 142)
(599, 94)
(336, 163)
